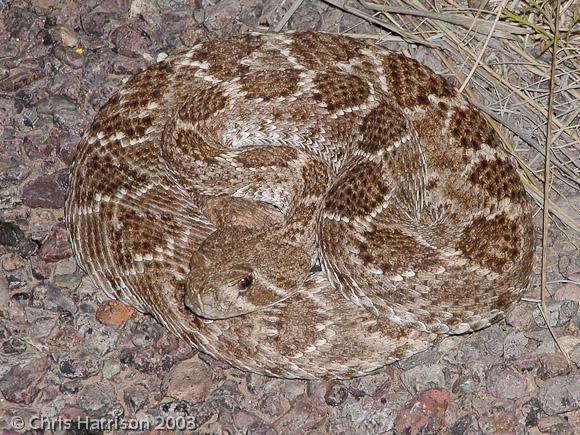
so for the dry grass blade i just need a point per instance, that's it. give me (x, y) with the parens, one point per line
(405, 35)
(547, 183)
(288, 15)
(485, 44)
(502, 30)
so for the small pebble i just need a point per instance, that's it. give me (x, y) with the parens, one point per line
(57, 246)
(531, 411)
(190, 380)
(505, 382)
(135, 397)
(559, 313)
(425, 413)
(145, 332)
(270, 405)
(51, 297)
(336, 394)
(82, 365)
(21, 384)
(568, 292)
(466, 425)
(12, 262)
(68, 37)
(555, 425)
(425, 377)
(12, 237)
(114, 313)
(44, 192)
(560, 394)
(553, 364)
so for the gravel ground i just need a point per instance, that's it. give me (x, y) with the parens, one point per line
(66, 354)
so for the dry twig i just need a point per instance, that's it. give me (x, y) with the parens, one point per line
(547, 183)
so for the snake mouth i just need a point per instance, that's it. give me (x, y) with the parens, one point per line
(210, 304)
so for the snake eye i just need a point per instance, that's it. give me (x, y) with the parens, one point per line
(246, 282)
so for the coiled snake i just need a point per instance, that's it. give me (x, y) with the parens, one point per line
(300, 205)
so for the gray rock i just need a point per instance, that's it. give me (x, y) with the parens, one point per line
(57, 246)
(70, 281)
(17, 280)
(505, 383)
(132, 41)
(269, 404)
(44, 192)
(292, 390)
(251, 11)
(531, 411)
(111, 368)
(98, 21)
(559, 313)
(466, 383)
(560, 394)
(307, 18)
(190, 380)
(465, 425)
(81, 365)
(71, 387)
(21, 384)
(569, 291)
(336, 394)
(99, 400)
(41, 322)
(373, 385)
(552, 364)
(515, 345)
(430, 356)
(135, 397)
(145, 332)
(55, 103)
(41, 270)
(221, 17)
(51, 297)
(145, 361)
(98, 338)
(317, 388)
(521, 317)
(494, 337)
(555, 425)
(13, 345)
(421, 378)
(12, 237)
(66, 266)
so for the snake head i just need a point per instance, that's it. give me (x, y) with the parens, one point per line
(238, 270)
(223, 295)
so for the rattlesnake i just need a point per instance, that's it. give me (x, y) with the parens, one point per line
(332, 206)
